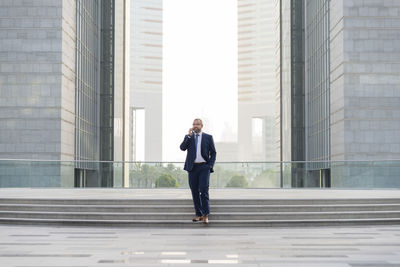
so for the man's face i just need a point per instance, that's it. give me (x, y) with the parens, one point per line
(197, 126)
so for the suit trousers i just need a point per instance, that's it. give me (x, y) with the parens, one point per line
(199, 181)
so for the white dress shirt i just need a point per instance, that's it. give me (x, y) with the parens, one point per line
(199, 158)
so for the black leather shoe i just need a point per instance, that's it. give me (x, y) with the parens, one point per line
(197, 219)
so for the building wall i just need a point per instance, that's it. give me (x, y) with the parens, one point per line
(317, 73)
(37, 64)
(87, 85)
(286, 80)
(227, 151)
(365, 88)
(256, 79)
(107, 58)
(292, 116)
(38, 85)
(277, 55)
(146, 72)
(114, 93)
(68, 79)
(317, 89)
(127, 39)
(68, 82)
(121, 92)
(87, 88)
(30, 79)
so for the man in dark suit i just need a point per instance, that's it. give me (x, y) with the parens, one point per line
(199, 164)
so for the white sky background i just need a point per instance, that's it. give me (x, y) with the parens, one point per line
(199, 71)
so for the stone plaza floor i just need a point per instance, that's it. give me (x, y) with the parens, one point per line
(45, 246)
(36, 246)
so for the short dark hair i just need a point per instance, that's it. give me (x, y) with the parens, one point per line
(197, 119)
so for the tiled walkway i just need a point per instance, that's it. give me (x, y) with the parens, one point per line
(91, 246)
(308, 247)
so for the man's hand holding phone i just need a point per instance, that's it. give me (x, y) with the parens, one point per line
(190, 131)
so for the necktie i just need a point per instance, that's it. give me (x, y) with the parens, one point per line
(196, 140)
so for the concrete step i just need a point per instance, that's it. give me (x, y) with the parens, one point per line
(179, 212)
(189, 208)
(213, 216)
(189, 224)
(169, 202)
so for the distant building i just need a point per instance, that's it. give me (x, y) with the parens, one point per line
(227, 151)
(257, 109)
(146, 80)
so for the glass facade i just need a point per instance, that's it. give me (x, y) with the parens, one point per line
(107, 91)
(292, 89)
(100, 91)
(317, 80)
(87, 86)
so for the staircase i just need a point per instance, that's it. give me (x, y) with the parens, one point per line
(179, 212)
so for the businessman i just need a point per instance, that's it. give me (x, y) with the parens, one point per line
(199, 164)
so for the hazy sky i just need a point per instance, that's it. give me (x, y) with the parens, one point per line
(199, 70)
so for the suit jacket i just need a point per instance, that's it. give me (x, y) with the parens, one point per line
(207, 151)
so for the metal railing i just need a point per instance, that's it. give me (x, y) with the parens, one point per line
(125, 174)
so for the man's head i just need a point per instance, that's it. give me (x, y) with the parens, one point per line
(197, 125)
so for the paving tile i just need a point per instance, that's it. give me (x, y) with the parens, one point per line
(85, 246)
